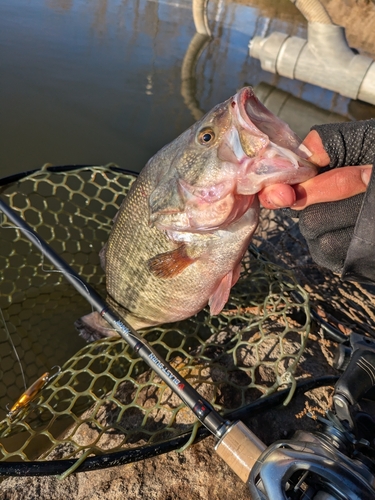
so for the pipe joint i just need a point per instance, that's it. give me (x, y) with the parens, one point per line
(324, 59)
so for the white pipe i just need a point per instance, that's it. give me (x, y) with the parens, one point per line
(324, 59)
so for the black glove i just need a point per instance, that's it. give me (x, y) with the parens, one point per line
(329, 227)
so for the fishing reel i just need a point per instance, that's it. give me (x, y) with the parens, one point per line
(337, 461)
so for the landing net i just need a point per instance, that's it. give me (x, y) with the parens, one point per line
(106, 400)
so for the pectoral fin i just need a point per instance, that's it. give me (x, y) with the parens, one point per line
(170, 264)
(221, 295)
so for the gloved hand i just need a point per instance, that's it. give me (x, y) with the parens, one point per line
(348, 143)
(328, 227)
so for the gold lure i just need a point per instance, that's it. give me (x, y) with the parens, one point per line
(31, 392)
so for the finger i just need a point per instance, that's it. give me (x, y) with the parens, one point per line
(335, 185)
(314, 143)
(277, 196)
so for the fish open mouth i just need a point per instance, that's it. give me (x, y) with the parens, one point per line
(260, 121)
(249, 119)
(253, 111)
(273, 149)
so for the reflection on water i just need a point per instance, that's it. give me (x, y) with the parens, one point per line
(93, 81)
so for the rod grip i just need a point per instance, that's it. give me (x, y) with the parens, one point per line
(240, 449)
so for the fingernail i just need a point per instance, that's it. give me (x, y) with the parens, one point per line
(304, 151)
(280, 200)
(275, 201)
(365, 175)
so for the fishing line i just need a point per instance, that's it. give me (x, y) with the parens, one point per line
(39, 245)
(13, 347)
(4, 322)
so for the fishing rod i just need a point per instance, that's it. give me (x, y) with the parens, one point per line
(237, 446)
(335, 463)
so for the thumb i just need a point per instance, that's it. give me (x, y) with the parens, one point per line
(314, 144)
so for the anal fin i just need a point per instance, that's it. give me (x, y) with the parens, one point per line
(221, 295)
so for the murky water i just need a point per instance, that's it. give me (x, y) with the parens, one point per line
(99, 81)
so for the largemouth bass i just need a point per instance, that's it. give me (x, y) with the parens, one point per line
(181, 232)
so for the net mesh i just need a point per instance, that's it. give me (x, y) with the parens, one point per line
(347, 305)
(105, 399)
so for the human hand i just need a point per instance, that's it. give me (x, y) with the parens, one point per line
(329, 227)
(334, 185)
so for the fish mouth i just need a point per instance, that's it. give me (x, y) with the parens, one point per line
(273, 149)
(254, 113)
(249, 106)
(256, 116)
(248, 103)
(251, 121)
(253, 116)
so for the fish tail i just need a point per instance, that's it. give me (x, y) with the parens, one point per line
(93, 327)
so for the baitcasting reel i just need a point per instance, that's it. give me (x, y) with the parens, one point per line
(336, 462)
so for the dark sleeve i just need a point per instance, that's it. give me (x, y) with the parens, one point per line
(359, 264)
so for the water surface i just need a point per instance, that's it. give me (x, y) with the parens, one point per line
(98, 81)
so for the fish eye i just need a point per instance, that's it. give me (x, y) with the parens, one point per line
(206, 136)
